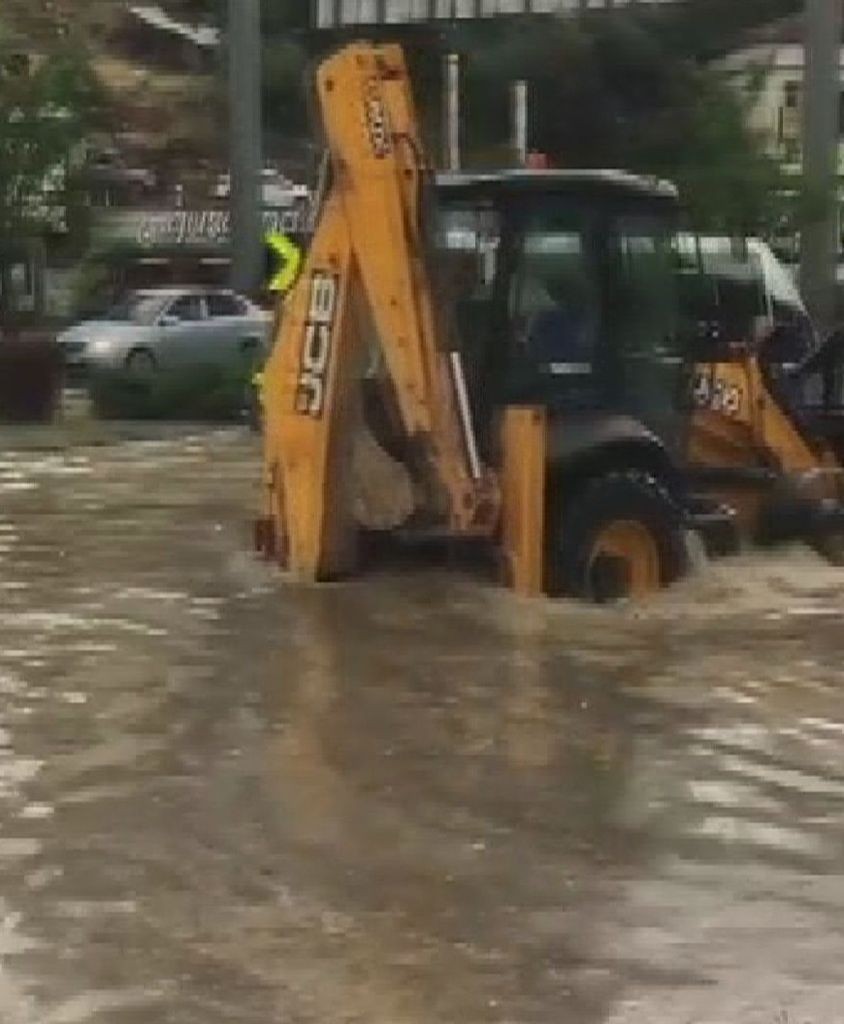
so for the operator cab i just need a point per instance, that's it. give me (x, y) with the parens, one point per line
(563, 292)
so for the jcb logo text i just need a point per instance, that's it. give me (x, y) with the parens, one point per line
(377, 123)
(316, 346)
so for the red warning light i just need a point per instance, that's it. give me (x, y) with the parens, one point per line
(537, 161)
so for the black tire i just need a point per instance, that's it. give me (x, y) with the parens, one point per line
(252, 408)
(722, 540)
(251, 353)
(141, 363)
(717, 526)
(830, 546)
(622, 497)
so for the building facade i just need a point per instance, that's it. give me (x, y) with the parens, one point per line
(773, 65)
(769, 72)
(337, 13)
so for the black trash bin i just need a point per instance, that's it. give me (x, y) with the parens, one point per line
(30, 378)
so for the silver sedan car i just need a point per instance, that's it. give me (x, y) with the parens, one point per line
(169, 328)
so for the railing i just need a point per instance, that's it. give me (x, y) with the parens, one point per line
(337, 13)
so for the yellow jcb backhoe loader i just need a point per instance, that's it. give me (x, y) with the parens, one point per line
(767, 438)
(534, 370)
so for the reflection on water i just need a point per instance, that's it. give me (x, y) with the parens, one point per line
(413, 798)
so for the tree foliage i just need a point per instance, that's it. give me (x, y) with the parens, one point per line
(610, 93)
(634, 89)
(45, 103)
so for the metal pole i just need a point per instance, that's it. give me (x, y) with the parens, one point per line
(520, 122)
(819, 234)
(451, 112)
(245, 136)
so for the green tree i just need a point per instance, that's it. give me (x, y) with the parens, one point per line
(609, 93)
(45, 104)
(633, 89)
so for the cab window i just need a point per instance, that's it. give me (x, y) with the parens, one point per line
(468, 267)
(554, 295)
(645, 344)
(468, 243)
(644, 287)
(468, 249)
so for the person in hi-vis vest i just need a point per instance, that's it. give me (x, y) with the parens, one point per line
(283, 263)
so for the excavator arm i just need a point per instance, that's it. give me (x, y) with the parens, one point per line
(366, 268)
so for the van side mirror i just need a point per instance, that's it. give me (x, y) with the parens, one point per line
(168, 320)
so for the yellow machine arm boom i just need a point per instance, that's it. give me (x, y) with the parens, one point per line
(366, 265)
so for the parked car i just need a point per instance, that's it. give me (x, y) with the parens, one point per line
(169, 328)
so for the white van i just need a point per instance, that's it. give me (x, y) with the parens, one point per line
(740, 280)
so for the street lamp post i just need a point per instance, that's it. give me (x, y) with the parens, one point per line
(822, 87)
(451, 111)
(519, 102)
(245, 142)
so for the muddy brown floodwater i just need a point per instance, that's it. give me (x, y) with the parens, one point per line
(409, 799)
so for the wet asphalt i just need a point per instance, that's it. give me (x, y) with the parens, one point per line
(408, 799)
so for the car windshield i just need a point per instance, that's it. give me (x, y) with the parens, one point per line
(136, 308)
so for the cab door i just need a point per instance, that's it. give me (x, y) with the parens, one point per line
(647, 348)
(555, 314)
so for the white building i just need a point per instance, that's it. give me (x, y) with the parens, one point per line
(774, 61)
(337, 13)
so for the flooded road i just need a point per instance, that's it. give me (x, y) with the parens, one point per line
(411, 799)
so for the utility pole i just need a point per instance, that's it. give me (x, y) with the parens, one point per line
(822, 87)
(520, 100)
(451, 111)
(245, 142)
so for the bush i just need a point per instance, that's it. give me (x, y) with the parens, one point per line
(209, 393)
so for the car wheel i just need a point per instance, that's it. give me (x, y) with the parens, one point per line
(141, 363)
(250, 353)
(253, 406)
(620, 537)
(830, 546)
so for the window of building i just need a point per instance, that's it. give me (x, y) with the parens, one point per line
(456, 8)
(363, 12)
(20, 280)
(504, 7)
(791, 95)
(398, 10)
(324, 13)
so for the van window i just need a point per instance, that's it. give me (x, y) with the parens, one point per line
(722, 279)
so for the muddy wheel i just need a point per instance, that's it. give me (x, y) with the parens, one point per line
(620, 537)
(831, 547)
(141, 364)
(253, 407)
